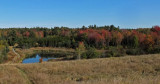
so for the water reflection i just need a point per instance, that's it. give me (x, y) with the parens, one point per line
(35, 59)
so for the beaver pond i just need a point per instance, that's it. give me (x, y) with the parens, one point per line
(35, 59)
(48, 55)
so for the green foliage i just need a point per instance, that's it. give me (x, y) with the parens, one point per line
(115, 52)
(12, 39)
(156, 49)
(135, 51)
(32, 34)
(135, 42)
(3, 50)
(26, 42)
(90, 53)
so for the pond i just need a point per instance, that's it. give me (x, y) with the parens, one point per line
(35, 59)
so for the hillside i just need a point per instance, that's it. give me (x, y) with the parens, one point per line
(125, 70)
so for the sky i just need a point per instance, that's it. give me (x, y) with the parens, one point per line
(76, 13)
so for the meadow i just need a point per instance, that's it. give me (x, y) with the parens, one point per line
(144, 69)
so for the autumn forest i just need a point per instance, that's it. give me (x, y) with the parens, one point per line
(116, 41)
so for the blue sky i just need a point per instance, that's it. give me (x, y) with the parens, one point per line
(76, 13)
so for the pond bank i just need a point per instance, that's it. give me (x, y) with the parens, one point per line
(24, 53)
(36, 59)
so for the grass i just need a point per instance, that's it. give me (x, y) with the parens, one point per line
(143, 69)
(12, 57)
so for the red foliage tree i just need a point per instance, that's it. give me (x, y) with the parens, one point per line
(141, 37)
(148, 42)
(18, 34)
(107, 36)
(155, 37)
(156, 29)
(41, 34)
(117, 37)
(26, 34)
(65, 33)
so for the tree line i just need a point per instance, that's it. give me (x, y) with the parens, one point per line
(131, 41)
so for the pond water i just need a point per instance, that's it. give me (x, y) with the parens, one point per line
(35, 59)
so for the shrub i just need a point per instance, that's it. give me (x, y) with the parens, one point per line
(156, 49)
(135, 52)
(84, 55)
(90, 53)
(115, 52)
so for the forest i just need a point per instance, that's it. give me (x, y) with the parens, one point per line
(114, 40)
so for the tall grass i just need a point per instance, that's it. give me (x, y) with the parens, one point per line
(143, 69)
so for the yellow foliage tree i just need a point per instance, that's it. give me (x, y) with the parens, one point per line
(80, 49)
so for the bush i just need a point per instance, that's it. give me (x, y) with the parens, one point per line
(84, 55)
(115, 52)
(135, 52)
(90, 53)
(156, 49)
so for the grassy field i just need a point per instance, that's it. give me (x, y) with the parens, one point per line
(143, 69)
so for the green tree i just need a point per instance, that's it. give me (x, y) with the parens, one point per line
(91, 53)
(32, 34)
(12, 37)
(135, 42)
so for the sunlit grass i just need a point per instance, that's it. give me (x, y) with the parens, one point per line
(143, 69)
